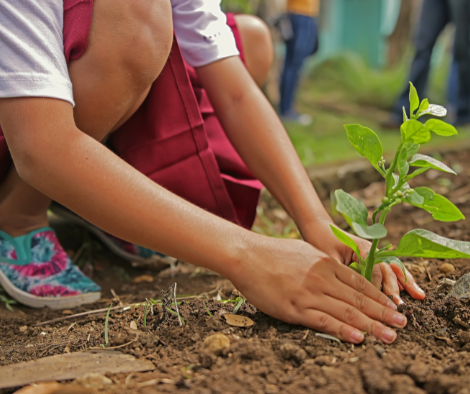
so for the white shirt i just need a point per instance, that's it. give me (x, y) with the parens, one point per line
(32, 60)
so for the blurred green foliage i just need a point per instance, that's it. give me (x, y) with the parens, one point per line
(343, 90)
(241, 6)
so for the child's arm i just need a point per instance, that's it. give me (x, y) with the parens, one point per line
(261, 140)
(287, 279)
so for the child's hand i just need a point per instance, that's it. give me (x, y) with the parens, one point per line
(294, 282)
(389, 278)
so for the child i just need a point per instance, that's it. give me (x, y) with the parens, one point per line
(56, 155)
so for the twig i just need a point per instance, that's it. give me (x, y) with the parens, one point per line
(461, 323)
(427, 271)
(115, 347)
(104, 310)
(176, 306)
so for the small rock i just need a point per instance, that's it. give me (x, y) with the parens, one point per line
(133, 325)
(324, 360)
(464, 337)
(446, 268)
(379, 350)
(24, 328)
(461, 288)
(93, 381)
(271, 389)
(291, 351)
(419, 372)
(216, 344)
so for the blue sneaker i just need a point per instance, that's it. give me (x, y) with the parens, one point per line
(37, 272)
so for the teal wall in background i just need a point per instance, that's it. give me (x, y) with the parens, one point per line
(359, 26)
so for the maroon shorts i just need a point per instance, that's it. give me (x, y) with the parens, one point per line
(174, 138)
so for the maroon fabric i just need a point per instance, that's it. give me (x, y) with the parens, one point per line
(174, 137)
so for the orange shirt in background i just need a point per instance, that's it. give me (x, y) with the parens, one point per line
(304, 7)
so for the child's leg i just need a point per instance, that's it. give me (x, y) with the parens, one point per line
(110, 81)
(257, 46)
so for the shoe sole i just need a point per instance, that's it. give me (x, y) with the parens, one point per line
(49, 302)
(155, 262)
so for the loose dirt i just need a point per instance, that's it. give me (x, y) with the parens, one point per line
(431, 355)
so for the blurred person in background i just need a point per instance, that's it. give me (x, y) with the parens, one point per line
(302, 44)
(435, 15)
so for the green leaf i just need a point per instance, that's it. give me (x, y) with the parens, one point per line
(414, 100)
(415, 132)
(346, 240)
(352, 209)
(434, 110)
(376, 231)
(392, 260)
(440, 127)
(415, 198)
(439, 206)
(355, 213)
(366, 143)
(417, 172)
(402, 164)
(420, 160)
(356, 267)
(423, 243)
(405, 117)
(423, 106)
(412, 148)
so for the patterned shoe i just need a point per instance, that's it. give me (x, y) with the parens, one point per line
(36, 271)
(138, 255)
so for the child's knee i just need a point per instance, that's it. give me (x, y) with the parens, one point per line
(257, 46)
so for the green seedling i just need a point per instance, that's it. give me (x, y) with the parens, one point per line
(416, 243)
(208, 311)
(145, 313)
(106, 339)
(7, 301)
(183, 322)
(240, 302)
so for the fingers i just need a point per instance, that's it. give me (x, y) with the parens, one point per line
(323, 322)
(390, 283)
(362, 309)
(362, 285)
(377, 277)
(354, 317)
(410, 286)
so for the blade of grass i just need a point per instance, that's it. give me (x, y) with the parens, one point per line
(106, 324)
(177, 314)
(145, 313)
(241, 301)
(208, 311)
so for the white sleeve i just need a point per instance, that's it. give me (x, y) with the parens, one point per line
(202, 32)
(32, 60)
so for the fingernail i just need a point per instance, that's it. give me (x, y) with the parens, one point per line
(388, 335)
(401, 302)
(357, 336)
(399, 319)
(391, 305)
(419, 290)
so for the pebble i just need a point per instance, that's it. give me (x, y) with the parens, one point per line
(464, 337)
(461, 288)
(291, 351)
(446, 268)
(216, 344)
(94, 381)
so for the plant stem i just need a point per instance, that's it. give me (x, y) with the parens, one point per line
(389, 177)
(371, 258)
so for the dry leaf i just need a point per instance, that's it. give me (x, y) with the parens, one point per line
(143, 278)
(67, 312)
(238, 321)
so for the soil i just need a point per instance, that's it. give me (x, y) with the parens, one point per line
(431, 355)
